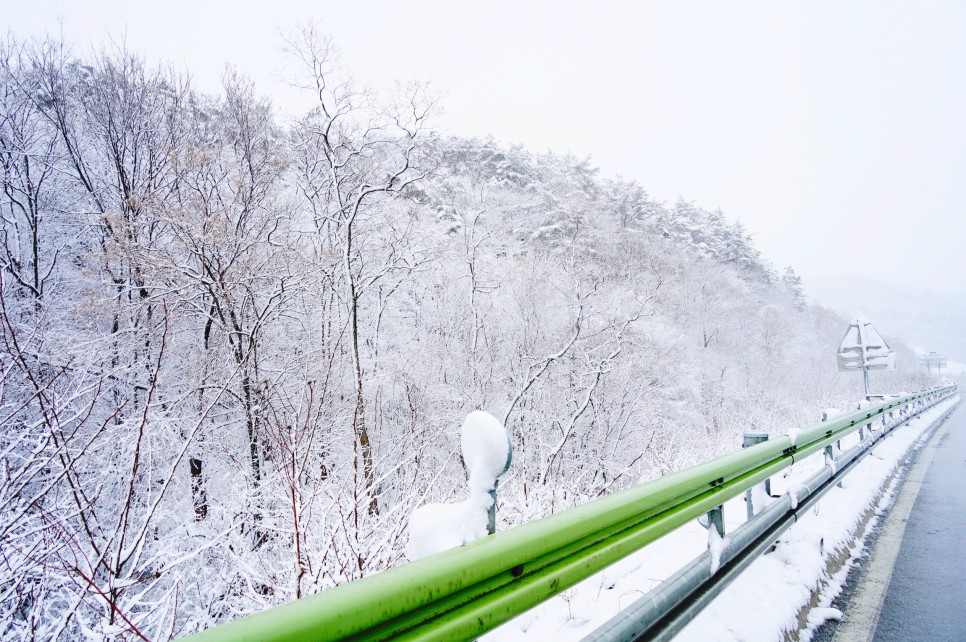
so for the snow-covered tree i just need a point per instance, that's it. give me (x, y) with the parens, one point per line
(246, 347)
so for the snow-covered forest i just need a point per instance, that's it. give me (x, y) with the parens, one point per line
(237, 348)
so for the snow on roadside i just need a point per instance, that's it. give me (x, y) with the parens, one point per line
(766, 599)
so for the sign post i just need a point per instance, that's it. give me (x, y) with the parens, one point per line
(863, 349)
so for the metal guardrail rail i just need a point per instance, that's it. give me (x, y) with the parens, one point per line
(461, 593)
(660, 614)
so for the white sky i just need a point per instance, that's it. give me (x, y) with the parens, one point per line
(834, 130)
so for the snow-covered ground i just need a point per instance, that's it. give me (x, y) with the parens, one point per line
(766, 599)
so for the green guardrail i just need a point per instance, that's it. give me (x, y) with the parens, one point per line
(461, 593)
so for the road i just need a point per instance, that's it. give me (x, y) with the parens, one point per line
(926, 599)
(913, 586)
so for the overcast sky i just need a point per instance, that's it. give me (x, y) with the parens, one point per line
(834, 130)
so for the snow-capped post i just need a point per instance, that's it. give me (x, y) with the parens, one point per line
(750, 439)
(487, 454)
(433, 528)
(863, 348)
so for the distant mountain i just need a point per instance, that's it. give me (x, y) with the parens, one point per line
(921, 318)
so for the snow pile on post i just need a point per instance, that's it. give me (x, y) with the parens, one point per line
(436, 527)
(716, 545)
(433, 528)
(486, 450)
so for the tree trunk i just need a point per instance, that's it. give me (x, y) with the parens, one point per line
(359, 415)
(198, 495)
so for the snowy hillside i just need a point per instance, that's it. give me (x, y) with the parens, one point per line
(236, 351)
(925, 320)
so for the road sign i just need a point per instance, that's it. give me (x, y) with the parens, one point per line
(937, 359)
(863, 349)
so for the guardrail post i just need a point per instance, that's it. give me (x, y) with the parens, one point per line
(716, 520)
(830, 460)
(491, 511)
(750, 439)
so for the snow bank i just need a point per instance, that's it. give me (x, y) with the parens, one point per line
(820, 615)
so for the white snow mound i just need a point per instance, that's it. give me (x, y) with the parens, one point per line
(433, 528)
(486, 452)
(486, 449)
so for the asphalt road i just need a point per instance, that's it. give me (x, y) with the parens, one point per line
(926, 599)
(912, 585)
